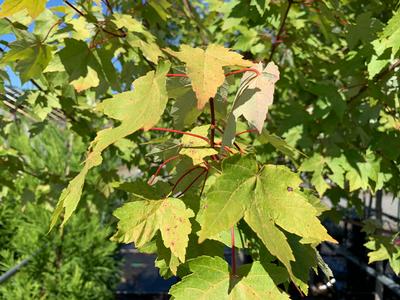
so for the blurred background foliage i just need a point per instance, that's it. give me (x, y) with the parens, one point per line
(335, 117)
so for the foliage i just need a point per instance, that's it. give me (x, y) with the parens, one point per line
(78, 264)
(116, 69)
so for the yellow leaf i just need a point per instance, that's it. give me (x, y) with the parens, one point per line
(141, 219)
(205, 68)
(83, 83)
(140, 108)
(34, 8)
(196, 148)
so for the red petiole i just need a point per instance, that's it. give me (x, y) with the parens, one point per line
(226, 75)
(193, 181)
(246, 131)
(153, 177)
(184, 175)
(211, 142)
(180, 132)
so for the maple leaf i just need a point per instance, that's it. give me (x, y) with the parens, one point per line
(255, 95)
(77, 59)
(196, 148)
(384, 248)
(389, 38)
(140, 220)
(131, 24)
(266, 199)
(34, 8)
(205, 68)
(211, 279)
(30, 55)
(147, 101)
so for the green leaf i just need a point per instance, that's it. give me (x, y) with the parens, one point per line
(364, 30)
(10, 7)
(316, 164)
(148, 100)
(384, 248)
(211, 279)
(205, 68)
(30, 55)
(228, 197)
(196, 148)
(149, 49)
(184, 110)
(261, 5)
(78, 60)
(266, 199)
(140, 220)
(389, 39)
(280, 145)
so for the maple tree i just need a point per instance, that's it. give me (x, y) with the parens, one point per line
(189, 102)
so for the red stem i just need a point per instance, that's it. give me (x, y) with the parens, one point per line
(194, 180)
(176, 75)
(51, 28)
(242, 71)
(74, 8)
(226, 75)
(234, 143)
(160, 167)
(246, 131)
(184, 175)
(233, 250)
(180, 132)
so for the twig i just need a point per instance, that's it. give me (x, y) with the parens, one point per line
(234, 143)
(37, 85)
(226, 74)
(122, 35)
(242, 71)
(153, 177)
(282, 26)
(193, 182)
(177, 75)
(180, 132)
(191, 14)
(377, 78)
(74, 8)
(184, 175)
(246, 131)
(51, 28)
(93, 42)
(108, 4)
(212, 131)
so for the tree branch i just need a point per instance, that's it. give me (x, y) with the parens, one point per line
(74, 8)
(376, 79)
(281, 28)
